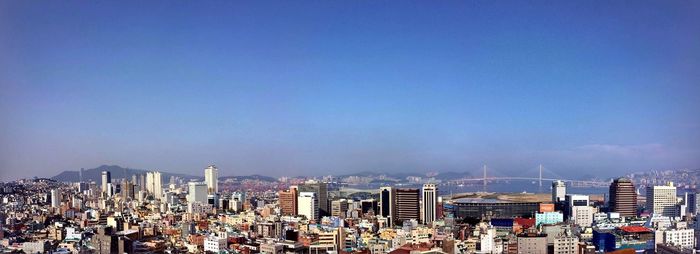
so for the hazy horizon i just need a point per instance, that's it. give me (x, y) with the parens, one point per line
(300, 88)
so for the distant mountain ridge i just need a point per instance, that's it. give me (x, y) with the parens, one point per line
(117, 172)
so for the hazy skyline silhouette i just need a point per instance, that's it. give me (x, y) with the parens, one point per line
(300, 88)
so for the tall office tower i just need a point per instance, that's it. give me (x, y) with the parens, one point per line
(386, 203)
(558, 191)
(211, 177)
(142, 182)
(321, 190)
(661, 200)
(55, 198)
(197, 192)
(127, 190)
(154, 184)
(430, 193)
(623, 198)
(369, 205)
(407, 205)
(106, 179)
(134, 180)
(573, 200)
(307, 205)
(288, 201)
(693, 202)
(339, 208)
(81, 174)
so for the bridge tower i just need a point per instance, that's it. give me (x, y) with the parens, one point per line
(540, 175)
(484, 175)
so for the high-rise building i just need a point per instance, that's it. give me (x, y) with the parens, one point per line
(693, 202)
(321, 190)
(211, 177)
(339, 207)
(386, 203)
(55, 198)
(307, 205)
(430, 194)
(662, 200)
(573, 200)
(623, 198)
(106, 179)
(558, 191)
(197, 192)
(407, 205)
(154, 184)
(288, 201)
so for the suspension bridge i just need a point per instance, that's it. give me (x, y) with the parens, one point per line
(539, 178)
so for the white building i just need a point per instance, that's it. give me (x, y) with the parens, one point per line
(582, 215)
(661, 200)
(214, 244)
(197, 207)
(154, 184)
(106, 178)
(684, 238)
(197, 192)
(558, 191)
(306, 205)
(55, 198)
(566, 245)
(429, 207)
(211, 178)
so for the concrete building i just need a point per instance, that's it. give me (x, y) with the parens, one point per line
(55, 198)
(532, 244)
(429, 205)
(288, 201)
(407, 205)
(214, 244)
(339, 207)
(307, 205)
(154, 184)
(211, 178)
(548, 218)
(582, 215)
(662, 200)
(197, 192)
(321, 191)
(386, 203)
(623, 197)
(106, 179)
(558, 191)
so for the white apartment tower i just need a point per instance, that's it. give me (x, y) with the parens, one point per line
(154, 184)
(558, 191)
(661, 200)
(429, 203)
(307, 205)
(211, 177)
(197, 192)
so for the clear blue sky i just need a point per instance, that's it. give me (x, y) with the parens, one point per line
(295, 87)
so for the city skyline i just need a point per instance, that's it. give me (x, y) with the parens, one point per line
(287, 89)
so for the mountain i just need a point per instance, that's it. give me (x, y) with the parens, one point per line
(95, 174)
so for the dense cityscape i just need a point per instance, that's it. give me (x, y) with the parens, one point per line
(145, 213)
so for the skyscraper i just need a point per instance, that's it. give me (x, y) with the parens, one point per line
(321, 190)
(307, 205)
(197, 192)
(288, 201)
(429, 203)
(211, 177)
(573, 200)
(386, 203)
(623, 198)
(55, 198)
(106, 179)
(154, 184)
(661, 200)
(558, 191)
(407, 205)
